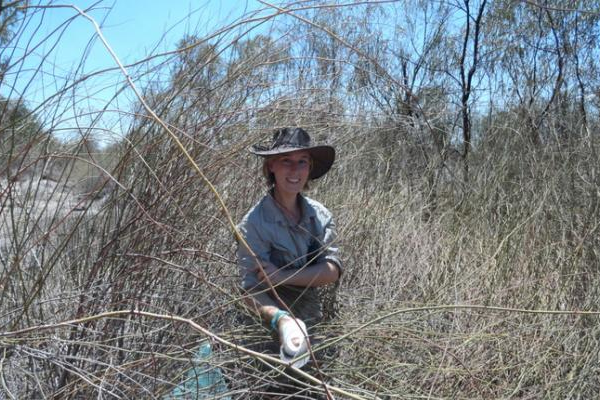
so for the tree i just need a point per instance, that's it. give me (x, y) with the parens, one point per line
(541, 51)
(470, 50)
(20, 131)
(9, 15)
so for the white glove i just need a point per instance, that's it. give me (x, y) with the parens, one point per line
(293, 342)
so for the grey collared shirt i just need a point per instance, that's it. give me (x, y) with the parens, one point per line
(276, 239)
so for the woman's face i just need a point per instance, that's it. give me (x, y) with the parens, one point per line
(291, 171)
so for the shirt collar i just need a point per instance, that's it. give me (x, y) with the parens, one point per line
(274, 214)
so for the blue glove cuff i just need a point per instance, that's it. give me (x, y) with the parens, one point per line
(276, 317)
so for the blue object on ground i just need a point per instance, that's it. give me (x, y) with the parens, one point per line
(202, 381)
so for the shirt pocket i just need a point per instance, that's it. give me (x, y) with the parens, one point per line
(315, 251)
(281, 256)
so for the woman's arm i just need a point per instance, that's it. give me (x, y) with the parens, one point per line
(319, 274)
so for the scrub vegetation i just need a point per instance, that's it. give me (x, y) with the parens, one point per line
(465, 192)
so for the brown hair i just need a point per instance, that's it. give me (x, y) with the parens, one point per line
(269, 176)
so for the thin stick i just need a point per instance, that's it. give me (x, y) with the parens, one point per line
(460, 307)
(193, 325)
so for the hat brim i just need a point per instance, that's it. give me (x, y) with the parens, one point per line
(322, 157)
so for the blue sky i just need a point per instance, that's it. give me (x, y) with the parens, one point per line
(134, 27)
(61, 45)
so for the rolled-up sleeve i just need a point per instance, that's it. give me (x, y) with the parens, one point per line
(330, 251)
(246, 261)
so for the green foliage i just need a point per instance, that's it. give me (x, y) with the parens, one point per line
(20, 132)
(9, 15)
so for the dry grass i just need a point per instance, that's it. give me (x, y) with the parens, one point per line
(475, 292)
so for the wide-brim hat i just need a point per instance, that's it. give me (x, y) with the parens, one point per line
(288, 140)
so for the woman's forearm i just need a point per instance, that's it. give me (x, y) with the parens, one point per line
(319, 274)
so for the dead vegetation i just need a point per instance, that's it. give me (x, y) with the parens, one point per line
(468, 273)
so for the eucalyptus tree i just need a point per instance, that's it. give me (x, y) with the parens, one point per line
(469, 61)
(9, 16)
(399, 75)
(546, 55)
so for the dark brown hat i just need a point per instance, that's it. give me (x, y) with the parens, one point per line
(287, 140)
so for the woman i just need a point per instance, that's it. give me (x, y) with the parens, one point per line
(291, 238)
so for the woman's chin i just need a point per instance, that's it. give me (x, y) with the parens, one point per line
(290, 189)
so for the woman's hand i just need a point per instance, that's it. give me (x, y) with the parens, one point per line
(269, 270)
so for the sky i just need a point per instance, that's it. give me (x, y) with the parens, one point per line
(134, 27)
(53, 42)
